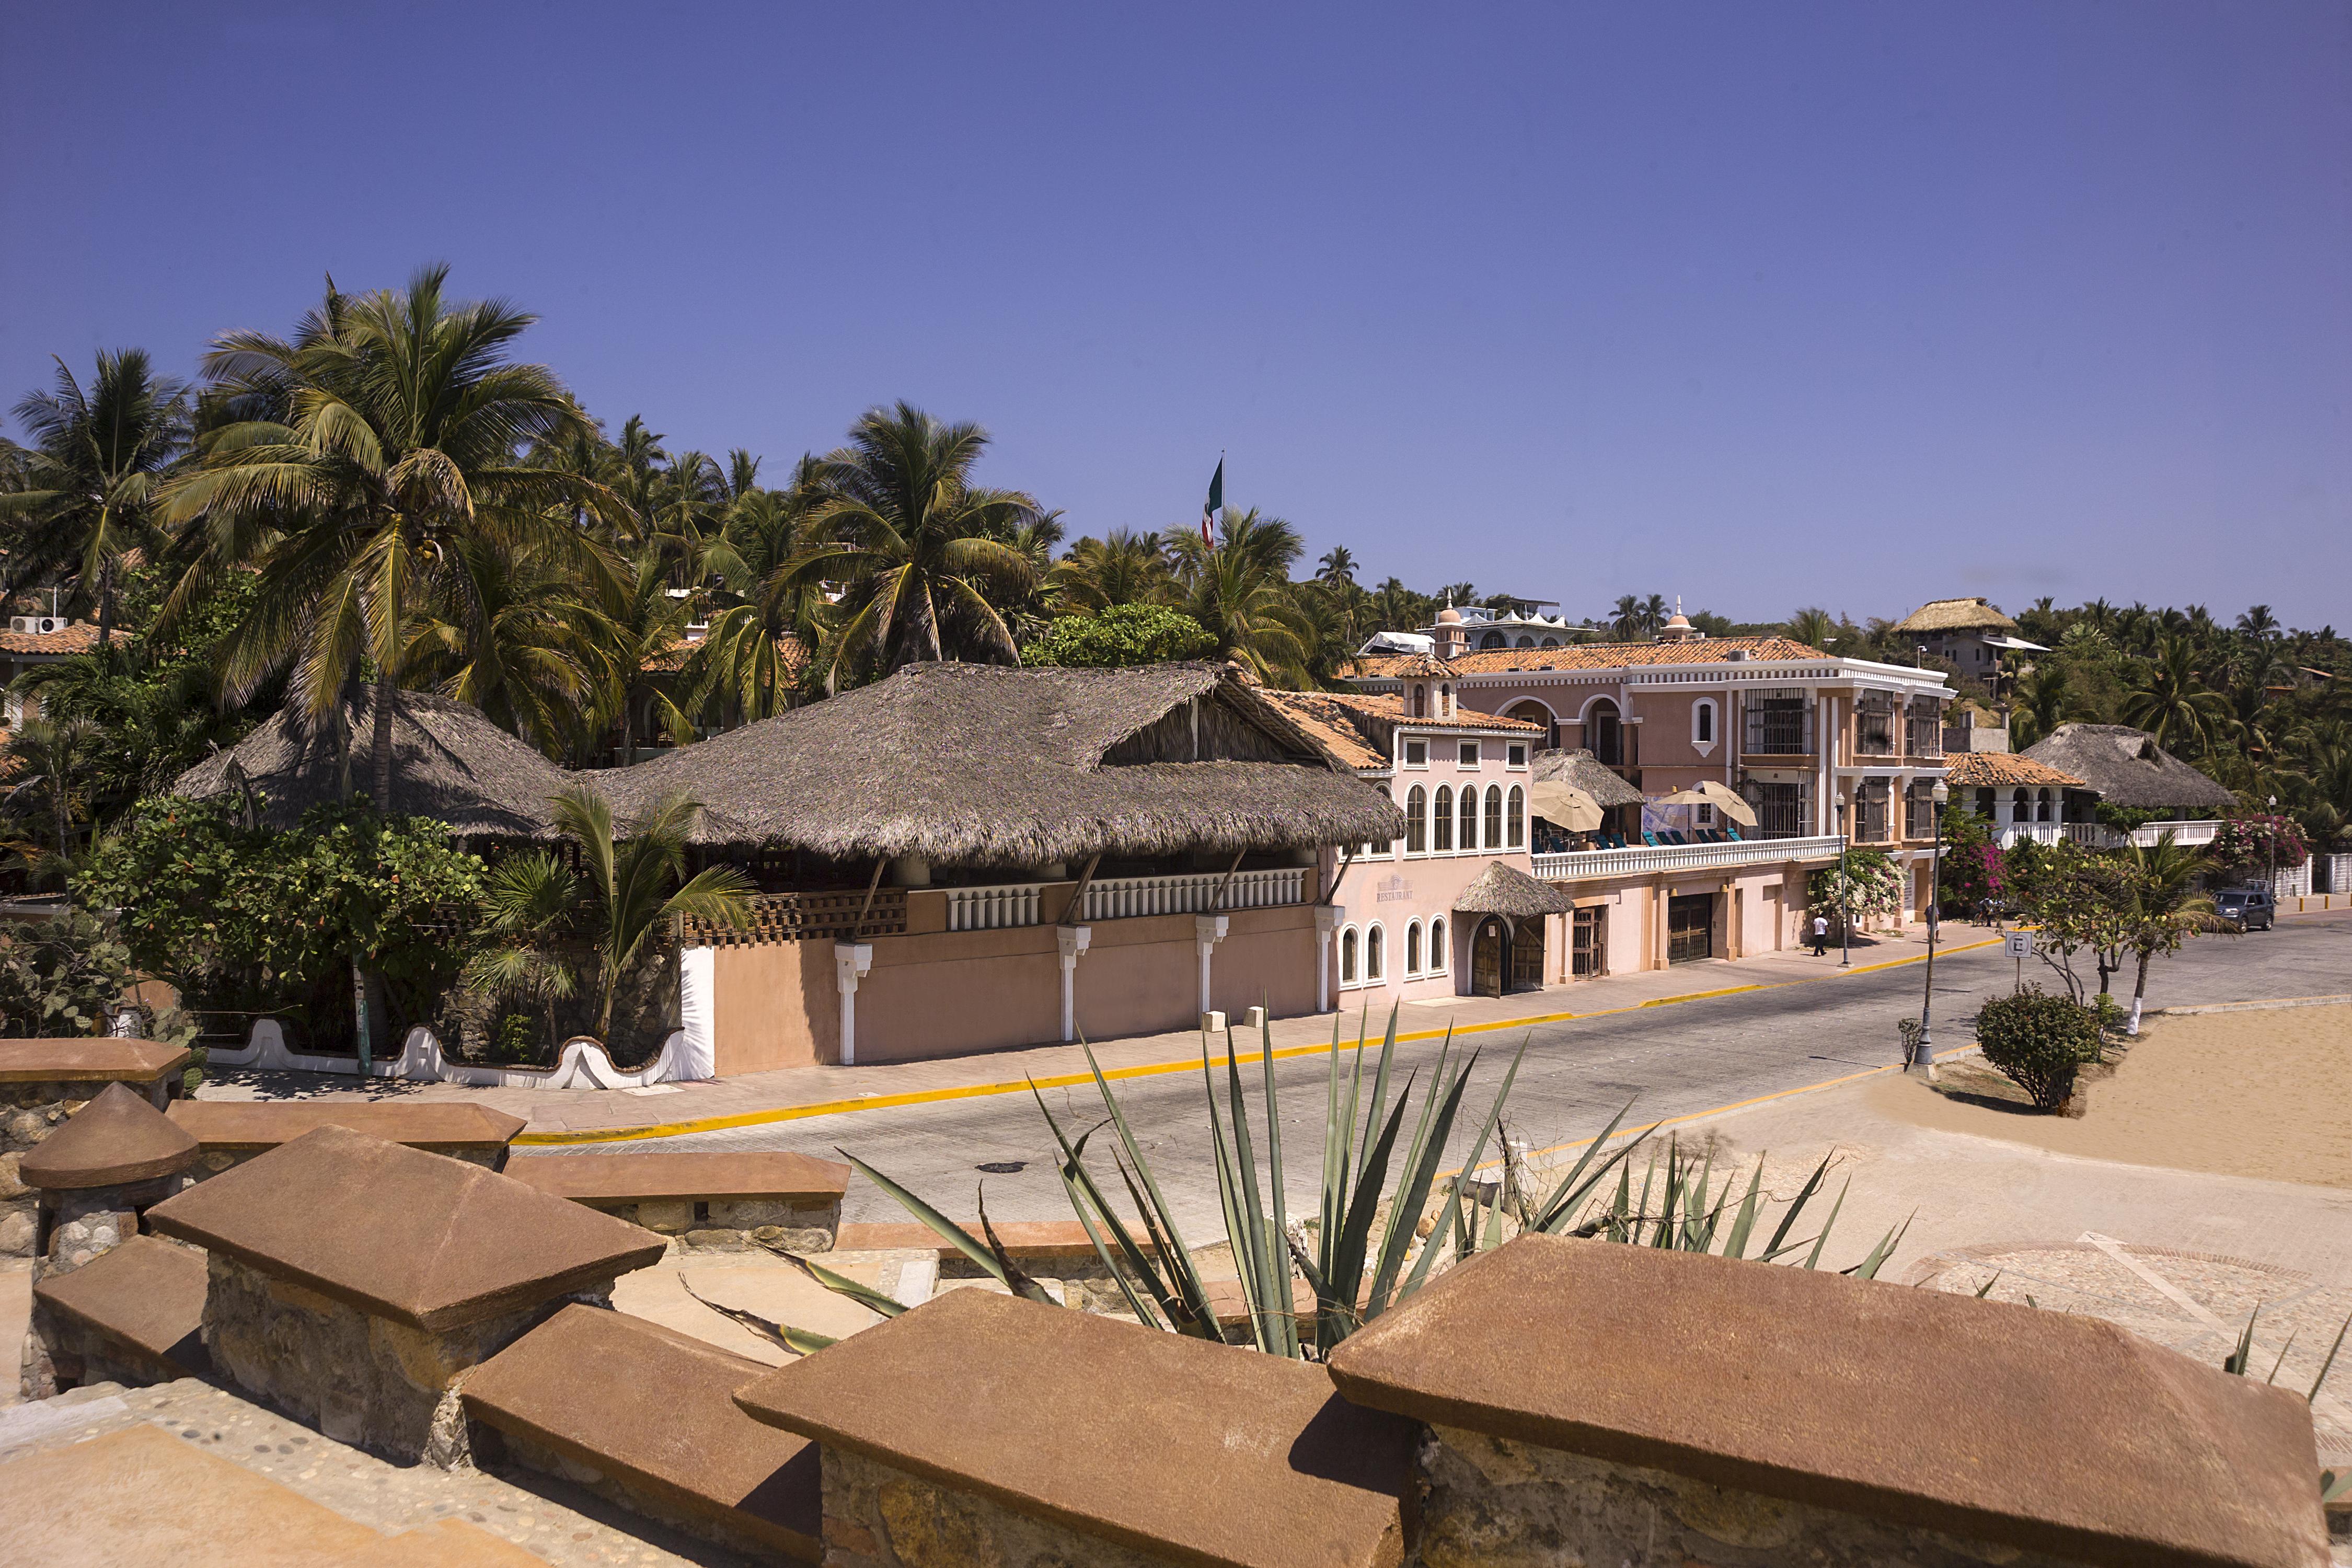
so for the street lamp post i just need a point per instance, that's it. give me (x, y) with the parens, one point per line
(1922, 1049)
(1845, 875)
(2270, 837)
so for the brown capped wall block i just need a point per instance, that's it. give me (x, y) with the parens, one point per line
(132, 1316)
(231, 1132)
(1015, 1427)
(1623, 1390)
(646, 1415)
(711, 1198)
(118, 1139)
(89, 1058)
(42, 1083)
(352, 1280)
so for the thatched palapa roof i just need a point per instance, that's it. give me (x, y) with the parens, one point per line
(2129, 768)
(449, 761)
(1956, 616)
(1504, 889)
(1579, 768)
(983, 765)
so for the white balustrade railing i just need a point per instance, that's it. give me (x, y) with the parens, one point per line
(993, 909)
(1580, 865)
(1122, 897)
(2099, 835)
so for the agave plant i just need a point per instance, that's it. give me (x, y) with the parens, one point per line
(1352, 1279)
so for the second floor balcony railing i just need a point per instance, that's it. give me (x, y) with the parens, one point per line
(1585, 864)
(1125, 898)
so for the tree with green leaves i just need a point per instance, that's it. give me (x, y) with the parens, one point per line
(530, 903)
(629, 878)
(2167, 906)
(2172, 702)
(1122, 635)
(381, 448)
(916, 544)
(1812, 626)
(1239, 590)
(92, 476)
(1123, 567)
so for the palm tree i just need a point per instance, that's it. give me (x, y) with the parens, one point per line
(637, 630)
(2171, 702)
(917, 545)
(1123, 567)
(1625, 623)
(529, 904)
(1812, 626)
(394, 453)
(44, 761)
(2044, 698)
(1337, 566)
(2258, 624)
(2166, 905)
(1654, 615)
(627, 879)
(1239, 590)
(515, 642)
(91, 477)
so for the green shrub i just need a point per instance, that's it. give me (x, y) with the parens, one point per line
(1123, 635)
(516, 1039)
(2039, 1041)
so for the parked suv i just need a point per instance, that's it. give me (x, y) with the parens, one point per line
(2251, 908)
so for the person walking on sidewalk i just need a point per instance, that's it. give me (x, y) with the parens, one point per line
(1821, 936)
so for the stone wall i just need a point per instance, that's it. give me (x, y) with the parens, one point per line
(367, 1381)
(736, 1226)
(880, 1517)
(1490, 1502)
(28, 1113)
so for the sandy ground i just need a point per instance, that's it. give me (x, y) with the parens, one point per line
(2264, 1094)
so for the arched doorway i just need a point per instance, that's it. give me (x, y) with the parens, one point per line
(1534, 712)
(1490, 947)
(1604, 736)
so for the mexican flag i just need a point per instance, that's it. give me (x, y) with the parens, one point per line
(1214, 504)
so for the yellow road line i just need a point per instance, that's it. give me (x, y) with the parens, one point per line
(1147, 1069)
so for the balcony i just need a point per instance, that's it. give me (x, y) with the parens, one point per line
(1124, 897)
(1588, 864)
(2099, 835)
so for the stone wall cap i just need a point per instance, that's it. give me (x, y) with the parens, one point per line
(421, 1238)
(260, 1124)
(1200, 1452)
(88, 1057)
(1999, 1422)
(702, 1176)
(113, 1141)
(147, 1293)
(654, 1406)
(1022, 1239)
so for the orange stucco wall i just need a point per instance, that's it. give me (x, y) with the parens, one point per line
(773, 1005)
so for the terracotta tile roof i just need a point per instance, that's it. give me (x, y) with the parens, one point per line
(1589, 656)
(1337, 720)
(673, 657)
(79, 637)
(1983, 770)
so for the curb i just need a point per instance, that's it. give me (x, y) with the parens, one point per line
(1151, 1070)
(2251, 1006)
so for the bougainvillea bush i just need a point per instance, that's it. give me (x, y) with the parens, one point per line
(1866, 879)
(1972, 875)
(2245, 845)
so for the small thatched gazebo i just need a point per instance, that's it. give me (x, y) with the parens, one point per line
(1504, 889)
(449, 761)
(2127, 768)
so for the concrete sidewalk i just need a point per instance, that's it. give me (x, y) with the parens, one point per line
(576, 1116)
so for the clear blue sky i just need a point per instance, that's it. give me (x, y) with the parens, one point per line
(1762, 305)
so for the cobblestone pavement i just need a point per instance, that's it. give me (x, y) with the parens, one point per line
(566, 1527)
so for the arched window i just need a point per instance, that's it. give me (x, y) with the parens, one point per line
(1702, 722)
(1494, 831)
(1445, 699)
(1602, 734)
(1525, 642)
(2041, 808)
(1416, 823)
(1374, 939)
(1442, 822)
(1984, 803)
(1469, 817)
(1551, 642)
(1421, 701)
(1437, 954)
(1348, 956)
(1516, 820)
(1413, 947)
(1492, 639)
(2021, 808)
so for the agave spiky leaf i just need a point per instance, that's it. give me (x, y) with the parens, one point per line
(2330, 1364)
(866, 1296)
(1412, 1193)
(1813, 1258)
(1567, 1197)
(799, 1341)
(1869, 1267)
(2237, 1359)
(1337, 1311)
(1736, 1243)
(946, 1229)
(1015, 1278)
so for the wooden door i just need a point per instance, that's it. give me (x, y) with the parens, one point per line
(1486, 958)
(1690, 927)
(1588, 945)
(1528, 955)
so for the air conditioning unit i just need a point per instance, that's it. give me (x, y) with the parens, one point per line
(39, 625)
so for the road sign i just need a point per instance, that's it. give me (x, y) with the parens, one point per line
(2020, 944)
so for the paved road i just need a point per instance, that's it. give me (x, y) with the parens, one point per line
(1674, 1061)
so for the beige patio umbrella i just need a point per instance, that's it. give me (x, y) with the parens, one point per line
(1556, 800)
(1728, 801)
(1686, 797)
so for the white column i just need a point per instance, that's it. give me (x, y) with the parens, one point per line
(1327, 921)
(1073, 941)
(697, 997)
(1207, 932)
(850, 962)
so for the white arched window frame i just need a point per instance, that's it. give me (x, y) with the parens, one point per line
(1348, 955)
(1706, 725)
(1416, 821)
(1440, 958)
(1514, 822)
(1494, 817)
(1411, 948)
(1375, 958)
(1441, 821)
(2041, 806)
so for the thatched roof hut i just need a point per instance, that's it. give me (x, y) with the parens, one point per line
(1505, 889)
(985, 766)
(1581, 768)
(1956, 615)
(448, 761)
(2129, 768)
